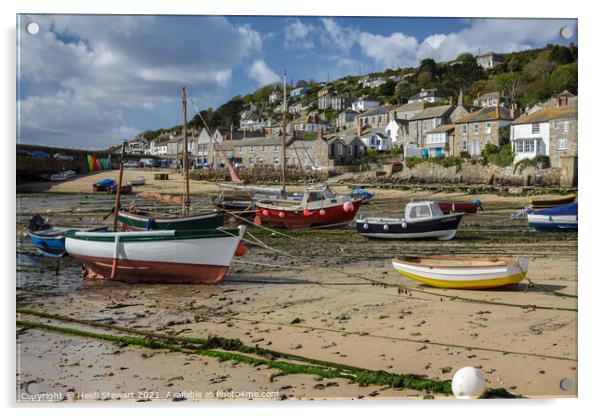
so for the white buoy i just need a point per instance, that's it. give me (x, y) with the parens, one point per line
(469, 383)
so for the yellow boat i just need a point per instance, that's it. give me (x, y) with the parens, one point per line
(550, 202)
(463, 272)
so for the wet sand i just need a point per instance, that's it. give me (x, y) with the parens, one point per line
(320, 309)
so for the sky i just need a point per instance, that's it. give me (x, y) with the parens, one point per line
(91, 81)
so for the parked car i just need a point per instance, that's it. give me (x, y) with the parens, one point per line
(63, 156)
(24, 153)
(156, 164)
(130, 164)
(146, 163)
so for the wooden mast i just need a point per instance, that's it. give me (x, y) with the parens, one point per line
(118, 192)
(283, 146)
(186, 173)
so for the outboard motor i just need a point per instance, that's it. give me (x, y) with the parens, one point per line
(37, 223)
(478, 202)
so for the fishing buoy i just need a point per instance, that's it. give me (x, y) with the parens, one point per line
(306, 212)
(403, 224)
(241, 249)
(265, 213)
(348, 206)
(281, 214)
(322, 212)
(469, 383)
(366, 226)
(257, 220)
(386, 227)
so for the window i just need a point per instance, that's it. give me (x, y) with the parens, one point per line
(562, 144)
(276, 161)
(487, 128)
(535, 128)
(252, 149)
(275, 149)
(339, 150)
(421, 211)
(263, 148)
(475, 128)
(556, 123)
(464, 129)
(464, 145)
(240, 148)
(565, 126)
(349, 151)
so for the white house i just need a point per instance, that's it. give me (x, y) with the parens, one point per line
(275, 96)
(439, 140)
(531, 134)
(248, 111)
(425, 96)
(377, 141)
(158, 147)
(206, 148)
(397, 129)
(138, 146)
(364, 103)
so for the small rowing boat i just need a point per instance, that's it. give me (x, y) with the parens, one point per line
(465, 207)
(137, 181)
(562, 218)
(422, 219)
(170, 256)
(61, 176)
(550, 202)
(49, 239)
(463, 273)
(363, 194)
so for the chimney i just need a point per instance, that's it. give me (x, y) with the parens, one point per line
(497, 110)
(359, 126)
(558, 101)
(461, 98)
(514, 113)
(320, 133)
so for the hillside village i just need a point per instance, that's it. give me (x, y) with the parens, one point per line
(499, 109)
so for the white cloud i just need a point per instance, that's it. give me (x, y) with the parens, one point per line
(116, 63)
(262, 73)
(389, 51)
(296, 35)
(336, 36)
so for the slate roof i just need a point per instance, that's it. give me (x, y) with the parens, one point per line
(485, 114)
(443, 128)
(433, 112)
(547, 114)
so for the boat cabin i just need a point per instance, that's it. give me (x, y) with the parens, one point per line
(318, 193)
(417, 211)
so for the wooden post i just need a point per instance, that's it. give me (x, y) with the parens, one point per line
(283, 150)
(187, 197)
(118, 192)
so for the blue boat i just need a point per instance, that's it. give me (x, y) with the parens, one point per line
(363, 194)
(562, 218)
(50, 240)
(104, 185)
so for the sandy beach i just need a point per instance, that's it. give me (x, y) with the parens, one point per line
(334, 297)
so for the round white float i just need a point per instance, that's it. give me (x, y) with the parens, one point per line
(469, 383)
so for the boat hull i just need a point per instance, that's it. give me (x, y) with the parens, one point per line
(130, 221)
(199, 256)
(465, 207)
(540, 203)
(48, 246)
(547, 223)
(465, 277)
(442, 228)
(329, 217)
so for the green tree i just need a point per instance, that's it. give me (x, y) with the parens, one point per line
(564, 77)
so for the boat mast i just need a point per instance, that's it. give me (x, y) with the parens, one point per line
(186, 174)
(283, 149)
(118, 191)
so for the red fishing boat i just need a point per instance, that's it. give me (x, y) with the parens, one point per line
(320, 207)
(466, 207)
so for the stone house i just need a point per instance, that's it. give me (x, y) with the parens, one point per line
(551, 132)
(377, 117)
(309, 123)
(407, 111)
(341, 102)
(346, 119)
(254, 151)
(475, 130)
(344, 149)
(208, 152)
(564, 98)
(429, 119)
(491, 99)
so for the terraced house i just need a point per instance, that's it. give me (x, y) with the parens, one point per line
(427, 120)
(255, 151)
(550, 131)
(475, 130)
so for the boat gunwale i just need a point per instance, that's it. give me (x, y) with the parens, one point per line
(178, 235)
(410, 221)
(501, 262)
(159, 218)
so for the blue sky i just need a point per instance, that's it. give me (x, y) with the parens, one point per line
(92, 81)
